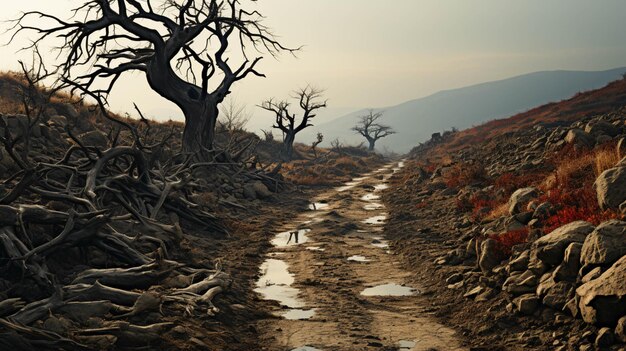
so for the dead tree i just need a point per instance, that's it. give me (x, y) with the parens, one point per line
(181, 47)
(309, 100)
(320, 138)
(370, 129)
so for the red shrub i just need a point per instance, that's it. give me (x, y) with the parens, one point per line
(506, 241)
(510, 182)
(575, 205)
(421, 204)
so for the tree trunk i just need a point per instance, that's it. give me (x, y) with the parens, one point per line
(200, 110)
(199, 132)
(288, 146)
(372, 143)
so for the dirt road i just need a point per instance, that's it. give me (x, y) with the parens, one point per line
(339, 287)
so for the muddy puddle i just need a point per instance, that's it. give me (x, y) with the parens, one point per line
(380, 243)
(373, 206)
(358, 258)
(376, 220)
(275, 283)
(406, 345)
(390, 289)
(370, 197)
(315, 248)
(306, 348)
(298, 314)
(291, 238)
(382, 186)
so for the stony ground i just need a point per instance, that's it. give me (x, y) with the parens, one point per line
(421, 236)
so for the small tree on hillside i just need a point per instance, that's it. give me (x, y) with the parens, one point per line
(320, 138)
(309, 100)
(370, 129)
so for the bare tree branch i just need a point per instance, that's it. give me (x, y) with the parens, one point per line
(370, 129)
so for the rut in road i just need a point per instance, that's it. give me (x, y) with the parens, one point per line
(340, 287)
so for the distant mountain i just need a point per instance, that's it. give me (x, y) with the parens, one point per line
(416, 120)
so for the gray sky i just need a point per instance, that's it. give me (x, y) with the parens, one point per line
(370, 53)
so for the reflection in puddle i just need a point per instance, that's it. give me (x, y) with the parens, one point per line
(318, 206)
(275, 283)
(358, 258)
(306, 348)
(373, 206)
(315, 248)
(291, 238)
(382, 186)
(375, 220)
(406, 345)
(389, 290)
(370, 197)
(298, 314)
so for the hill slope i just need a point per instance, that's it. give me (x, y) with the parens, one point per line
(416, 120)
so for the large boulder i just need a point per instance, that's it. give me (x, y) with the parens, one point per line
(611, 187)
(558, 295)
(256, 190)
(579, 138)
(519, 198)
(601, 128)
(550, 248)
(605, 245)
(94, 138)
(568, 269)
(603, 300)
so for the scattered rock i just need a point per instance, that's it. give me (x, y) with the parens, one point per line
(610, 188)
(579, 138)
(489, 256)
(606, 244)
(598, 128)
(519, 198)
(455, 278)
(256, 190)
(94, 138)
(474, 292)
(526, 304)
(550, 248)
(558, 295)
(605, 338)
(593, 274)
(620, 329)
(603, 300)
(568, 269)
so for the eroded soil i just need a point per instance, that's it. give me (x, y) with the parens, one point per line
(344, 289)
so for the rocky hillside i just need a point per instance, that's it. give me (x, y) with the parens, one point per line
(526, 224)
(415, 120)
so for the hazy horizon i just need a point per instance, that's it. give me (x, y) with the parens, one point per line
(366, 58)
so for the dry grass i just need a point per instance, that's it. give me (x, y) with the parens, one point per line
(501, 210)
(464, 174)
(605, 158)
